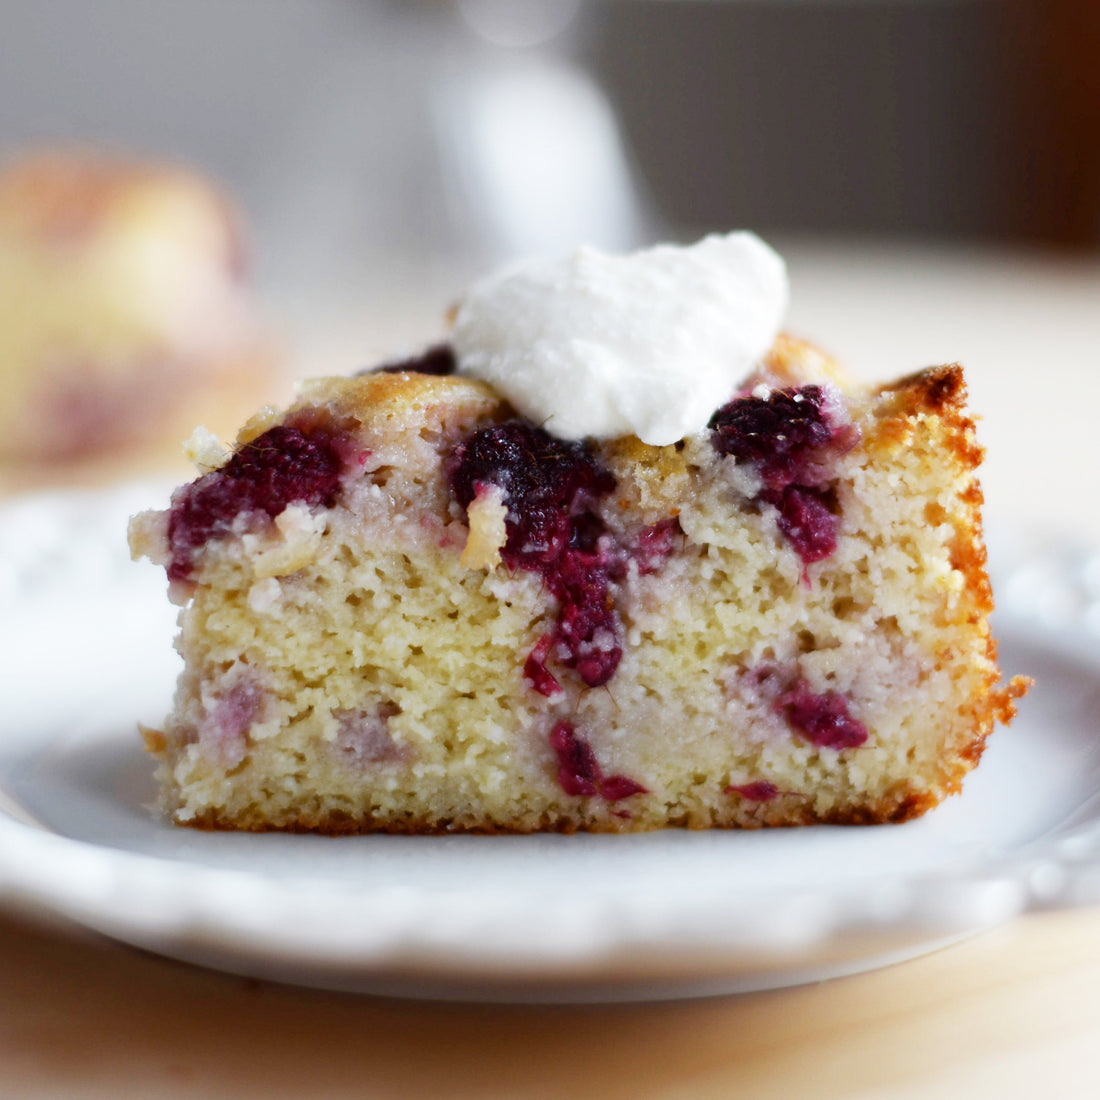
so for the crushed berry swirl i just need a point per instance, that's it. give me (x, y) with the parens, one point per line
(823, 719)
(550, 486)
(760, 790)
(579, 772)
(284, 465)
(807, 520)
(786, 436)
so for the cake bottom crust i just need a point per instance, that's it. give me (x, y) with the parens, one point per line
(890, 811)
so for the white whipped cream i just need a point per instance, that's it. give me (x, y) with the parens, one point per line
(648, 344)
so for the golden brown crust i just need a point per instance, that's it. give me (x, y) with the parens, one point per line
(796, 362)
(783, 811)
(939, 394)
(657, 479)
(404, 400)
(932, 390)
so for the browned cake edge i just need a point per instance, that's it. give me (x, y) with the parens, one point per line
(941, 392)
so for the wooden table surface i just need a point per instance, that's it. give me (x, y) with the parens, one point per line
(1013, 1012)
(1010, 1013)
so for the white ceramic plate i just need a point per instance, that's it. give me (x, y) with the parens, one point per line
(85, 652)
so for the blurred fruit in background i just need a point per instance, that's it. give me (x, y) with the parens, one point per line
(124, 306)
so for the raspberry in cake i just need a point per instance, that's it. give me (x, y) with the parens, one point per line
(409, 605)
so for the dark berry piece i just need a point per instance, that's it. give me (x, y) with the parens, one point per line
(363, 736)
(438, 360)
(546, 483)
(761, 790)
(822, 719)
(585, 531)
(787, 437)
(579, 772)
(616, 787)
(588, 624)
(777, 433)
(654, 545)
(228, 720)
(536, 672)
(285, 465)
(807, 521)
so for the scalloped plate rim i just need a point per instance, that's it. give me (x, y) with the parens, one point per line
(395, 941)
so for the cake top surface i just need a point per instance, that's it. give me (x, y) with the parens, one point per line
(649, 344)
(398, 402)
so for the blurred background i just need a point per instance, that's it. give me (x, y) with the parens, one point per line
(346, 127)
(930, 168)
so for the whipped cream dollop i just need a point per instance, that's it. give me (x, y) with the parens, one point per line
(648, 344)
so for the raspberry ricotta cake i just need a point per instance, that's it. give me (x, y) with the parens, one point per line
(412, 604)
(123, 305)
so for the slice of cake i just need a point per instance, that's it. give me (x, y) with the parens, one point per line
(413, 605)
